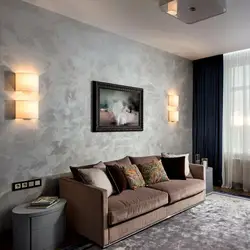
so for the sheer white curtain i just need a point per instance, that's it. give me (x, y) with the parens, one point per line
(236, 120)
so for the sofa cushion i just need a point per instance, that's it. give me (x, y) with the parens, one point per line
(97, 178)
(132, 203)
(180, 189)
(153, 172)
(117, 178)
(187, 169)
(174, 167)
(120, 162)
(75, 173)
(100, 165)
(134, 176)
(144, 159)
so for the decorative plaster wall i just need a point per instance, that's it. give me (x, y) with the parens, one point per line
(68, 55)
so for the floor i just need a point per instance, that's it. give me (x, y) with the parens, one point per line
(6, 239)
(72, 239)
(232, 191)
(220, 222)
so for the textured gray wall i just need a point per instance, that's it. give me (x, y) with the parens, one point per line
(68, 55)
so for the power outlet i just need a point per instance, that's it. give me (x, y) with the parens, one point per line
(26, 184)
(18, 186)
(31, 184)
(38, 183)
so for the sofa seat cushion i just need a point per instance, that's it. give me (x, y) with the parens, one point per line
(180, 189)
(132, 203)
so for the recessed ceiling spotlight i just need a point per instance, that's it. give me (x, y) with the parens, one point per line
(192, 8)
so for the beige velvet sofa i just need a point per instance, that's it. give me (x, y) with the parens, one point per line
(107, 220)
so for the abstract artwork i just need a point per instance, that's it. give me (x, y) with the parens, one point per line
(116, 108)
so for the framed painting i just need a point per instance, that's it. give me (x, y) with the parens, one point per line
(116, 108)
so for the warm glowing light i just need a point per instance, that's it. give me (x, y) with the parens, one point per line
(173, 116)
(27, 82)
(26, 110)
(24, 96)
(173, 105)
(173, 8)
(173, 101)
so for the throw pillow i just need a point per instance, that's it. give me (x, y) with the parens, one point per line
(174, 167)
(97, 178)
(187, 169)
(117, 178)
(153, 172)
(100, 165)
(75, 170)
(75, 173)
(133, 176)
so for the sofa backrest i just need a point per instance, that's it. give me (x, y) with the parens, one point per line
(144, 159)
(127, 160)
(124, 161)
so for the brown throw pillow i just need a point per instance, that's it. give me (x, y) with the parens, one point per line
(174, 167)
(117, 178)
(153, 172)
(76, 174)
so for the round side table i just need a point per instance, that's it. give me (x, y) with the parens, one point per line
(38, 229)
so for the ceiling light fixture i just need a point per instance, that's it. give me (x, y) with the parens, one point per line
(169, 6)
(192, 11)
(173, 8)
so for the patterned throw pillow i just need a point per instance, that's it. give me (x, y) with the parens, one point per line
(133, 176)
(153, 172)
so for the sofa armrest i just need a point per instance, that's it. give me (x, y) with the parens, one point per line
(87, 209)
(198, 171)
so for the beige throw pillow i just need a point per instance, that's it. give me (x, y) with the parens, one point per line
(100, 165)
(97, 178)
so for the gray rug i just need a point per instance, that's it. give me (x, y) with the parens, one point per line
(222, 222)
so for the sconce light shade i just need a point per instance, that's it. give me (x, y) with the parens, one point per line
(173, 116)
(26, 110)
(27, 82)
(172, 8)
(173, 101)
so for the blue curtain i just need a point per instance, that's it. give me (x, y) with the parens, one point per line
(207, 112)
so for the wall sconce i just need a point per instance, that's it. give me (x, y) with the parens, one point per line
(173, 104)
(173, 101)
(173, 116)
(26, 82)
(27, 107)
(26, 110)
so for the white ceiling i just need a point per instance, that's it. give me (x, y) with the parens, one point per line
(143, 21)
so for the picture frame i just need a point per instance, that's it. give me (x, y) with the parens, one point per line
(116, 108)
